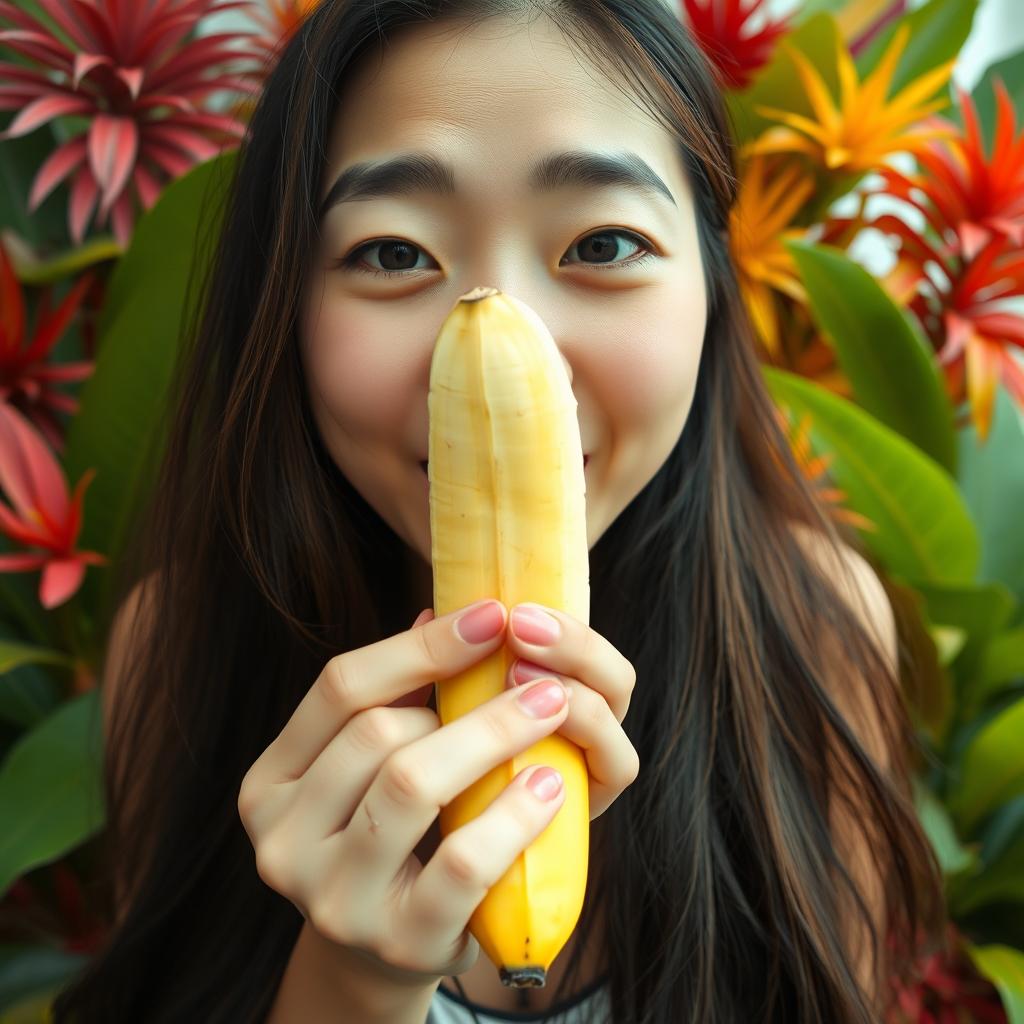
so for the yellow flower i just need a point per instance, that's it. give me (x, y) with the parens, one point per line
(769, 197)
(865, 127)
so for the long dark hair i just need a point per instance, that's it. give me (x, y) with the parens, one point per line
(724, 894)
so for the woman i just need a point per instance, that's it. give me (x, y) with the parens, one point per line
(766, 863)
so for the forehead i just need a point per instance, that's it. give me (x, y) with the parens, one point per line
(498, 95)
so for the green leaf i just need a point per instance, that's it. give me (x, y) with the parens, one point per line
(1001, 881)
(938, 31)
(51, 794)
(144, 311)
(922, 528)
(893, 374)
(991, 768)
(68, 263)
(14, 654)
(980, 611)
(1004, 967)
(1011, 72)
(1002, 662)
(952, 855)
(992, 482)
(779, 85)
(20, 159)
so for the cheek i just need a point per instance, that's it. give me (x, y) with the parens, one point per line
(651, 370)
(352, 366)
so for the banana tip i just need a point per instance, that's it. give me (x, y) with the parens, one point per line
(523, 977)
(478, 293)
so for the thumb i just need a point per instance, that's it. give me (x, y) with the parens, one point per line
(424, 616)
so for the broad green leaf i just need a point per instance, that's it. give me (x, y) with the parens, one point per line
(991, 479)
(1011, 72)
(952, 855)
(1003, 880)
(51, 794)
(938, 31)
(1002, 662)
(779, 85)
(991, 768)
(142, 318)
(922, 528)
(893, 374)
(980, 611)
(1004, 967)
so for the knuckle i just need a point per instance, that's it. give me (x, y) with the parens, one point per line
(337, 682)
(273, 864)
(404, 781)
(324, 917)
(630, 674)
(248, 798)
(459, 862)
(431, 646)
(633, 766)
(497, 722)
(377, 729)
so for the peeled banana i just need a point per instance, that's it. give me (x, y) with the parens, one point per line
(508, 520)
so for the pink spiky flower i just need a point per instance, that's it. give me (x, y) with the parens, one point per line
(131, 68)
(43, 514)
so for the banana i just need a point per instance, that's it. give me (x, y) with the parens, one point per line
(508, 520)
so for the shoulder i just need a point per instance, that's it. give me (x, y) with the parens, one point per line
(857, 584)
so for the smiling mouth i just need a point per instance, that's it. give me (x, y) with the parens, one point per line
(586, 459)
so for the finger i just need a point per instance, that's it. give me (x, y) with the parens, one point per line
(474, 857)
(326, 796)
(612, 760)
(414, 783)
(577, 651)
(418, 698)
(374, 676)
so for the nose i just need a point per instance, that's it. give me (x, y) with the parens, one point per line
(524, 295)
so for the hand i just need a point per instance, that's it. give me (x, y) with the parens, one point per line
(337, 803)
(600, 682)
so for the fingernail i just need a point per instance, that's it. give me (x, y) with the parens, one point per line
(526, 671)
(542, 699)
(533, 625)
(545, 783)
(481, 623)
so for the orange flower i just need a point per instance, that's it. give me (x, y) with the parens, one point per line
(814, 469)
(865, 127)
(770, 194)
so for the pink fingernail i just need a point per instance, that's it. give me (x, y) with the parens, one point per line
(481, 623)
(545, 783)
(542, 700)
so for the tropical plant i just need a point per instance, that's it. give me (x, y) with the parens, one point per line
(900, 387)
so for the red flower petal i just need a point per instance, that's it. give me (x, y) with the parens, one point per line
(45, 109)
(84, 192)
(12, 307)
(29, 473)
(60, 579)
(56, 167)
(113, 146)
(85, 62)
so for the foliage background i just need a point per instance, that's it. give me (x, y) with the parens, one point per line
(879, 238)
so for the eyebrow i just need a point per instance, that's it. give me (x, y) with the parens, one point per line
(423, 173)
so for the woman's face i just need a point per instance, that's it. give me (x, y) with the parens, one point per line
(492, 103)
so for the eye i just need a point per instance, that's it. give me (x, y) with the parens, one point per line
(604, 244)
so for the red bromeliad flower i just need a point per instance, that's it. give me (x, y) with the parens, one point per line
(722, 27)
(43, 515)
(26, 378)
(128, 66)
(973, 210)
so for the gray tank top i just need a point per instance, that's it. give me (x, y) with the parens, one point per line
(590, 1006)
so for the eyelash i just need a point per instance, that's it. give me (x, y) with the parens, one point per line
(352, 261)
